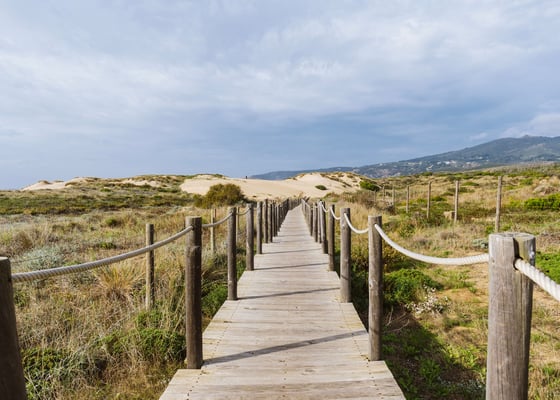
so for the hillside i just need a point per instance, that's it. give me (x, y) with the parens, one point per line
(500, 152)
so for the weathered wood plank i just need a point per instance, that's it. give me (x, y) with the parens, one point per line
(288, 335)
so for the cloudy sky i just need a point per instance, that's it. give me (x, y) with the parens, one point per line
(241, 87)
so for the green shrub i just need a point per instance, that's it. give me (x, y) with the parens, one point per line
(321, 187)
(406, 286)
(369, 185)
(551, 202)
(220, 194)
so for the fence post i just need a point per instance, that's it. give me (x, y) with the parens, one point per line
(232, 255)
(193, 293)
(407, 199)
(324, 240)
(314, 222)
(510, 296)
(375, 285)
(265, 221)
(456, 207)
(429, 199)
(330, 238)
(250, 252)
(259, 227)
(345, 260)
(498, 205)
(212, 231)
(12, 382)
(150, 266)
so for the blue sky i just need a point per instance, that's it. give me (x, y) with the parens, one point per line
(122, 88)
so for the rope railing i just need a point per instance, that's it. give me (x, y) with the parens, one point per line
(70, 269)
(334, 215)
(539, 277)
(214, 224)
(481, 258)
(354, 229)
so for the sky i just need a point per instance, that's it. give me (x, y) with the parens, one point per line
(242, 87)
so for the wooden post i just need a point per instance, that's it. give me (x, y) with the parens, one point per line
(345, 259)
(330, 238)
(270, 228)
(249, 251)
(313, 222)
(324, 240)
(12, 382)
(150, 267)
(407, 199)
(212, 231)
(510, 295)
(498, 205)
(429, 200)
(232, 255)
(265, 221)
(193, 293)
(259, 227)
(375, 285)
(456, 202)
(393, 200)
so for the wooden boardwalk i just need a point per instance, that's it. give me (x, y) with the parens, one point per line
(287, 337)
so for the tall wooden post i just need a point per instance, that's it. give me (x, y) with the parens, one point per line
(212, 231)
(265, 221)
(510, 295)
(313, 222)
(193, 293)
(407, 199)
(232, 255)
(150, 268)
(456, 212)
(259, 227)
(375, 285)
(12, 382)
(429, 200)
(498, 205)
(345, 259)
(270, 226)
(250, 242)
(330, 238)
(324, 240)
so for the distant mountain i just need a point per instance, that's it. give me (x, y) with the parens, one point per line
(500, 152)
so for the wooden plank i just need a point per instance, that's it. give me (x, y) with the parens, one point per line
(288, 335)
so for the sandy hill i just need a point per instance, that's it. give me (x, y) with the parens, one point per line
(304, 185)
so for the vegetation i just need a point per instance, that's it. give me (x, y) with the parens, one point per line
(435, 332)
(227, 194)
(89, 336)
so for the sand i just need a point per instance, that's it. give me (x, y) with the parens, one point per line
(304, 185)
(258, 189)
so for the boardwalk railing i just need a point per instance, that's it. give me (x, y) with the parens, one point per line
(511, 259)
(269, 217)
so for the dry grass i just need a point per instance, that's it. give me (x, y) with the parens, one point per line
(87, 335)
(456, 336)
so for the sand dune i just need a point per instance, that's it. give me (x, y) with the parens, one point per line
(304, 185)
(258, 189)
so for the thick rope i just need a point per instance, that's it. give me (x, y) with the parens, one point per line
(433, 260)
(70, 269)
(243, 213)
(359, 232)
(323, 207)
(217, 223)
(547, 284)
(334, 215)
